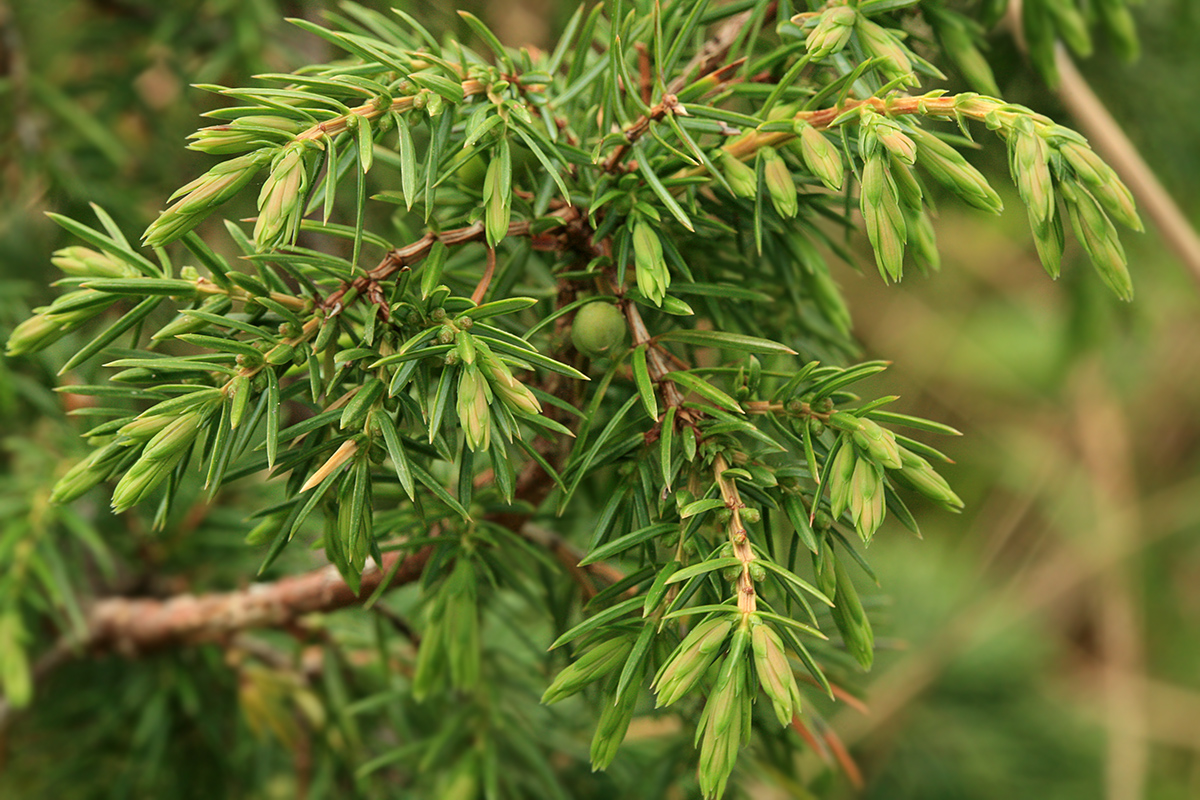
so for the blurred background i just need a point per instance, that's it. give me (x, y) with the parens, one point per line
(1044, 644)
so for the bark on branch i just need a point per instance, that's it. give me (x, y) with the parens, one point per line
(132, 626)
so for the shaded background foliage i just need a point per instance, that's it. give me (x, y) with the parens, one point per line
(1044, 642)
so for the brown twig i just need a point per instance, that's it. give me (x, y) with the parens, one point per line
(668, 105)
(132, 626)
(486, 280)
(742, 550)
(707, 62)
(564, 238)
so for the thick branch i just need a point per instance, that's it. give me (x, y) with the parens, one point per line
(132, 626)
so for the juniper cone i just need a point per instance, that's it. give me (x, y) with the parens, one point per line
(552, 338)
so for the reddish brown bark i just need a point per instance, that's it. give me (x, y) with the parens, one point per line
(132, 626)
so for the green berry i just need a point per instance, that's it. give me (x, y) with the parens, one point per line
(598, 330)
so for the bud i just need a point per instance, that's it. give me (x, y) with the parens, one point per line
(36, 333)
(281, 200)
(919, 475)
(1049, 241)
(1103, 183)
(850, 618)
(497, 194)
(198, 198)
(840, 475)
(724, 704)
(1031, 172)
(143, 478)
(977, 106)
(589, 667)
(883, 218)
(176, 436)
(823, 560)
(691, 660)
(820, 156)
(908, 190)
(512, 392)
(75, 308)
(891, 136)
(652, 275)
(435, 104)
(473, 413)
(244, 133)
(50, 323)
(922, 239)
(879, 443)
(1116, 199)
(880, 42)
(611, 728)
(831, 33)
(1087, 165)
(145, 427)
(948, 167)
(84, 262)
(89, 472)
(721, 730)
(222, 140)
(739, 175)
(774, 672)
(1094, 229)
(867, 498)
(779, 183)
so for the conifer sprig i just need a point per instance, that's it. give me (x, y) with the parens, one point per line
(484, 285)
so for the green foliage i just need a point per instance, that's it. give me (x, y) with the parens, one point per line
(489, 290)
